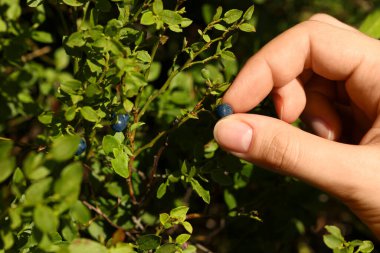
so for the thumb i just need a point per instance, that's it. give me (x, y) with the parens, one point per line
(281, 147)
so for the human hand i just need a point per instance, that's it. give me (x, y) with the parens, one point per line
(329, 72)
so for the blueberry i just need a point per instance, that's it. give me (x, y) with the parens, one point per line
(81, 147)
(121, 122)
(223, 110)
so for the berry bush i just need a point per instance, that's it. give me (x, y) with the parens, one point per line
(106, 116)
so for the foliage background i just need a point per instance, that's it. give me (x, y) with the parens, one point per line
(251, 210)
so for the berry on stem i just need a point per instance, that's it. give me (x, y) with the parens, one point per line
(121, 122)
(81, 147)
(223, 110)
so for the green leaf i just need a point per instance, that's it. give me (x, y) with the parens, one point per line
(7, 162)
(143, 56)
(43, 37)
(161, 190)
(220, 27)
(158, 6)
(80, 213)
(229, 199)
(188, 227)
(332, 242)
(36, 192)
(70, 180)
(366, 247)
(89, 114)
(207, 12)
(45, 118)
(64, 147)
(232, 16)
(122, 248)
(170, 17)
(371, 24)
(7, 238)
(186, 22)
(218, 13)
(85, 245)
(190, 249)
(147, 18)
(15, 215)
(71, 86)
(179, 213)
(109, 143)
(164, 218)
(335, 231)
(206, 38)
(204, 194)
(128, 105)
(45, 219)
(75, 40)
(167, 248)
(182, 238)
(247, 27)
(148, 242)
(120, 164)
(70, 113)
(74, 3)
(228, 55)
(248, 13)
(34, 3)
(61, 59)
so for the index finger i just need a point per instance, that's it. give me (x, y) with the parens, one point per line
(330, 51)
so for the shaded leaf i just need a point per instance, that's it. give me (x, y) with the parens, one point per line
(85, 245)
(148, 242)
(70, 180)
(45, 219)
(64, 147)
(34, 3)
(109, 143)
(167, 248)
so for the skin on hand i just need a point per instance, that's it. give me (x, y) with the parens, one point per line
(328, 73)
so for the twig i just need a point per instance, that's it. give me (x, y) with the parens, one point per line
(203, 248)
(99, 212)
(129, 181)
(35, 54)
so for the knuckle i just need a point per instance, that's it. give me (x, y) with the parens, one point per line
(320, 17)
(283, 152)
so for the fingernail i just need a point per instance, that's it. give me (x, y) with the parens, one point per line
(233, 135)
(321, 129)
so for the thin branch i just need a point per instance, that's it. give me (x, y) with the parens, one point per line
(99, 212)
(36, 54)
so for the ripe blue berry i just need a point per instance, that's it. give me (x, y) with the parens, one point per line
(121, 122)
(223, 110)
(81, 147)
